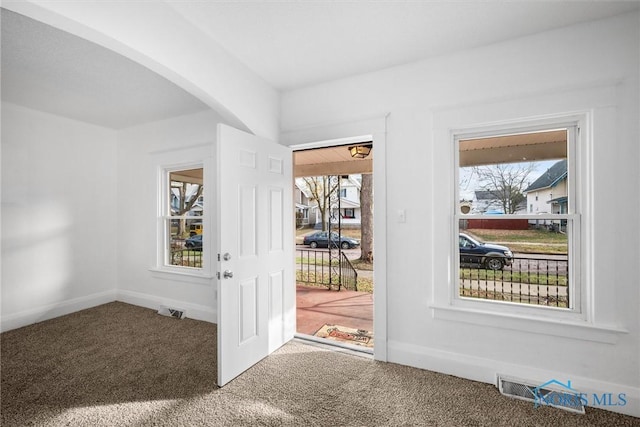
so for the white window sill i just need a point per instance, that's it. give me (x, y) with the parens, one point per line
(547, 326)
(197, 277)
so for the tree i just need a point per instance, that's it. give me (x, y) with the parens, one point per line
(321, 188)
(185, 199)
(506, 182)
(366, 218)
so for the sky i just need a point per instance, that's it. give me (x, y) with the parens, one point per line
(469, 184)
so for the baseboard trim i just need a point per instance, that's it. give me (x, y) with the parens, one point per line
(51, 311)
(486, 370)
(193, 311)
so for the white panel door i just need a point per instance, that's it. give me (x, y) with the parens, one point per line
(256, 290)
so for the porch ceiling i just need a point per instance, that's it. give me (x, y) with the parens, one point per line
(526, 147)
(330, 161)
(193, 176)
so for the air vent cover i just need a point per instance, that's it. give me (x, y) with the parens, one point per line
(551, 393)
(171, 312)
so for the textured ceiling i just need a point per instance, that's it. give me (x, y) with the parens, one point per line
(56, 72)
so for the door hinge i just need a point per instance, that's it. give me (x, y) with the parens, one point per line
(218, 260)
(218, 275)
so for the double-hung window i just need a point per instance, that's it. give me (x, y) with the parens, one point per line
(516, 217)
(182, 219)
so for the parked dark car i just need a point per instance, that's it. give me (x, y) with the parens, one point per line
(492, 257)
(194, 242)
(320, 239)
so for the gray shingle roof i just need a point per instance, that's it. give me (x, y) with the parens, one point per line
(551, 177)
(485, 195)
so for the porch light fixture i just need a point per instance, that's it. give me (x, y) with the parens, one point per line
(360, 151)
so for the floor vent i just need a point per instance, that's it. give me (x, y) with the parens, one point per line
(551, 393)
(171, 312)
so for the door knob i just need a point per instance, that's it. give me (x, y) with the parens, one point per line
(228, 274)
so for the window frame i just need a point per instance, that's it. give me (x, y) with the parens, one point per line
(575, 157)
(595, 110)
(163, 215)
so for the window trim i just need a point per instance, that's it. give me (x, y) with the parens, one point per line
(163, 207)
(577, 145)
(595, 109)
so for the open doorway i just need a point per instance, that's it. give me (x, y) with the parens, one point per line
(334, 254)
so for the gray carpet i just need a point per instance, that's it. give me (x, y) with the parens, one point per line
(121, 365)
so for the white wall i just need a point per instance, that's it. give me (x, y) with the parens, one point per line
(58, 216)
(141, 150)
(183, 55)
(575, 67)
(79, 214)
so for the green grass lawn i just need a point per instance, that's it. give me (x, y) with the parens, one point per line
(515, 277)
(304, 231)
(525, 241)
(358, 264)
(552, 301)
(321, 280)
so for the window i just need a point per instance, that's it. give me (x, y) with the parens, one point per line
(343, 192)
(504, 253)
(349, 213)
(183, 218)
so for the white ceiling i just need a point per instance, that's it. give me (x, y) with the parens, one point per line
(289, 44)
(56, 72)
(298, 43)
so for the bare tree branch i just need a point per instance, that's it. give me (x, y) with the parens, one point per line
(184, 204)
(505, 182)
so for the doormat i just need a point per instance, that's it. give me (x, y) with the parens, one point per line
(346, 335)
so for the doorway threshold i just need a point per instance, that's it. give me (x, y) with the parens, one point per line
(354, 350)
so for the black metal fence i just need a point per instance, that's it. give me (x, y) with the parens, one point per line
(183, 256)
(539, 280)
(316, 267)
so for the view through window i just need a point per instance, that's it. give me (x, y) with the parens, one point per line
(184, 218)
(514, 212)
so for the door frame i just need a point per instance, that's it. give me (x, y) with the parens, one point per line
(373, 129)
